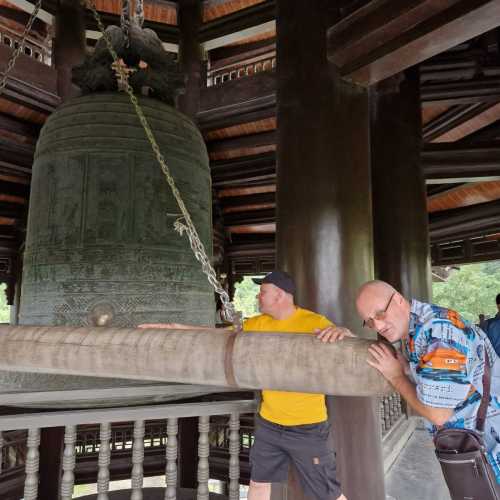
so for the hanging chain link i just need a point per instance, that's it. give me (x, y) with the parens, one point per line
(15, 54)
(184, 223)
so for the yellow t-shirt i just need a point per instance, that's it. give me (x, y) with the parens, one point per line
(290, 408)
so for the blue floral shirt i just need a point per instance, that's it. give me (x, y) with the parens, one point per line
(446, 356)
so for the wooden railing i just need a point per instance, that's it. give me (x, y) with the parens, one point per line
(162, 432)
(32, 48)
(100, 445)
(391, 412)
(241, 69)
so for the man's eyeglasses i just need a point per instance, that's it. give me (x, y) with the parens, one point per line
(378, 316)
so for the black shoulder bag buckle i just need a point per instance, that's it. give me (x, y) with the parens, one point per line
(462, 455)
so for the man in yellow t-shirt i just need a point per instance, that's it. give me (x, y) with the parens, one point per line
(291, 426)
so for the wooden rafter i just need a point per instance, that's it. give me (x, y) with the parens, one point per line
(383, 38)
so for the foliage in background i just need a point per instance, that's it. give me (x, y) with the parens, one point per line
(4, 308)
(471, 290)
(244, 297)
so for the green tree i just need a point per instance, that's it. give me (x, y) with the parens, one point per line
(4, 308)
(471, 290)
(245, 297)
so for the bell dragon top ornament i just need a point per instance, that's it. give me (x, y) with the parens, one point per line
(152, 71)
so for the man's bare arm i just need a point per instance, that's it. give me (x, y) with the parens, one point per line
(392, 369)
(179, 326)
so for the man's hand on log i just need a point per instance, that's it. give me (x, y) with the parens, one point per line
(385, 361)
(175, 326)
(333, 333)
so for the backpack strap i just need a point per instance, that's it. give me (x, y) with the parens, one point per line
(485, 400)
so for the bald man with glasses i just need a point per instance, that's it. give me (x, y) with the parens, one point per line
(440, 369)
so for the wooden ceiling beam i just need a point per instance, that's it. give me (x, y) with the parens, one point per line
(7, 221)
(255, 217)
(465, 92)
(251, 249)
(264, 228)
(238, 93)
(244, 170)
(259, 202)
(475, 220)
(242, 142)
(383, 38)
(486, 134)
(245, 180)
(268, 196)
(238, 25)
(261, 109)
(31, 84)
(250, 207)
(483, 117)
(15, 179)
(451, 119)
(224, 56)
(453, 163)
(12, 210)
(239, 101)
(15, 153)
(21, 191)
(19, 127)
(246, 191)
(464, 195)
(45, 14)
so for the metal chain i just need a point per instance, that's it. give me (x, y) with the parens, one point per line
(184, 223)
(15, 54)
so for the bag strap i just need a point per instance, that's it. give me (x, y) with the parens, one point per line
(485, 400)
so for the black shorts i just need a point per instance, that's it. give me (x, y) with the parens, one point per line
(306, 446)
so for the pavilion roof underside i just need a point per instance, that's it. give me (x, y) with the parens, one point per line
(460, 99)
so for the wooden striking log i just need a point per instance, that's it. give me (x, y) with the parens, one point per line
(241, 360)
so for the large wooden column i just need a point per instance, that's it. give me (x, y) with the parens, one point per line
(69, 50)
(190, 60)
(69, 45)
(190, 55)
(401, 235)
(324, 228)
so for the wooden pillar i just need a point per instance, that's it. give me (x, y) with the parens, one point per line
(190, 55)
(69, 50)
(190, 60)
(15, 307)
(51, 449)
(401, 235)
(324, 218)
(69, 45)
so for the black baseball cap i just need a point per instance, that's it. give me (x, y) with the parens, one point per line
(278, 278)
